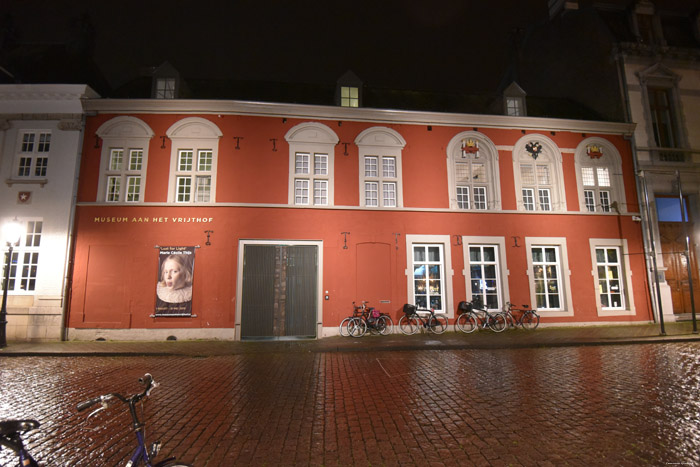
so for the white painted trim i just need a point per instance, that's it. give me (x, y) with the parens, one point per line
(317, 112)
(319, 285)
(380, 142)
(312, 138)
(490, 157)
(554, 158)
(610, 159)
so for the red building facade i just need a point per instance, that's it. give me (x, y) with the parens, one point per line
(293, 212)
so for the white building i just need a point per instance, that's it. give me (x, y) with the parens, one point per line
(41, 133)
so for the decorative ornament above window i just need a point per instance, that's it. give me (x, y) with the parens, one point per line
(470, 146)
(534, 148)
(594, 151)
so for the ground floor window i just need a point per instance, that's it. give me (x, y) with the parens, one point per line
(549, 275)
(24, 262)
(612, 277)
(484, 274)
(428, 276)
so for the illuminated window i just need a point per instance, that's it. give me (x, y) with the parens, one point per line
(599, 176)
(24, 263)
(311, 164)
(349, 96)
(537, 166)
(380, 167)
(33, 154)
(165, 88)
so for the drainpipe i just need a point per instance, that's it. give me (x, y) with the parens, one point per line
(687, 251)
(68, 264)
(653, 254)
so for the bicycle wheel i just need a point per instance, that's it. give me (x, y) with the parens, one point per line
(408, 324)
(343, 328)
(177, 464)
(467, 323)
(388, 327)
(437, 324)
(357, 327)
(510, 320)
(497, 322)
(530, 320)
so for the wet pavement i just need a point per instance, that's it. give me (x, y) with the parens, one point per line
(560, 398)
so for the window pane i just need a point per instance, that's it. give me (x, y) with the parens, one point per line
(463, 197)
(389, 167)
(184, 189)
(41, 165)
(545, 201)
(301, 192)
(320, 164)
(462, 171)
(605, 201)
(371, 194)
(529, 199)
(433, 253)
(589, 198)
(133, 188)
(479, 173)
(204, 162)
(543, 175)
(135, 159)
(185, 160)
(320, 192)
(113, 188)
(203, 193)
(389, 192)
(115, 159)
(28, 142)
(44, 142)
(603, 176)
(418, 254)
(301, 165)
(371, 169)
(480, 197)
(587, 176)
(527, 174)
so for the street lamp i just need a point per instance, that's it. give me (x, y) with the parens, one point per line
(11, 232)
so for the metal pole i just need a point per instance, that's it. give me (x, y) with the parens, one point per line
(652, 244)
(3, 310)
(687, 253)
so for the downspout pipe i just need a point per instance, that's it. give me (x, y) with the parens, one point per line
(687, 251)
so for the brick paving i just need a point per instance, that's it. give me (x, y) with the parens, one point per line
(547, 403)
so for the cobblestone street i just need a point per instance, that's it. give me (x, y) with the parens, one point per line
(589, 405)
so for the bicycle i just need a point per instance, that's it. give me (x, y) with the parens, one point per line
(141, 453)
(411, 321)
(366, 318)
(11, 431)
(529, 319)
(473, 315)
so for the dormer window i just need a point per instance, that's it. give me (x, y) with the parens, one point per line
(514, 106)
(349, 96)
(514, 101)
(165, 88)
(348, 90)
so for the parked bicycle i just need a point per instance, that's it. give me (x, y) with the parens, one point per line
(366, 318)
(412, 320)
(12, 431)
(527, 317)
(474, 315)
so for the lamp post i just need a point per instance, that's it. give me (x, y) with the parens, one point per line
(11, 233)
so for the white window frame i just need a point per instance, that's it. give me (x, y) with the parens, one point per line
(551, 157)
(317, 141)
(626, 276)
(499, 243)
(165, 88)
(126, 134)
(39, 150)
(566, 308)
(312, 178)
(25, 259)
(384, 144)
(200, 136)
(448, 272)
(611, 161)
(488, 156)
(349, 96)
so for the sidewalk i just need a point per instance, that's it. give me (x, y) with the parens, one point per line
(510, 339)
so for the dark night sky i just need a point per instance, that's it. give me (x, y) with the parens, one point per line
(440, 44)
(452, 45)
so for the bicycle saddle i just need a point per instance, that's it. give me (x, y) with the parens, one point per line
(17, 426)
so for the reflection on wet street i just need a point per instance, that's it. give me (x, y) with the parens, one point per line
(600, 405)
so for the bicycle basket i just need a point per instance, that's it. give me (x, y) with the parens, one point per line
(375, 313)
(409, 309)
(464, 307)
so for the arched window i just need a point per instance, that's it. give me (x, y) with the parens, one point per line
(124, 159)
(193, 161)
(538, 174)
(380, 167)
(599, 176)
(472, 172)
(311, 164)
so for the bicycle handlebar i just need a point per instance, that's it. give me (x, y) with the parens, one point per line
(146, 380)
